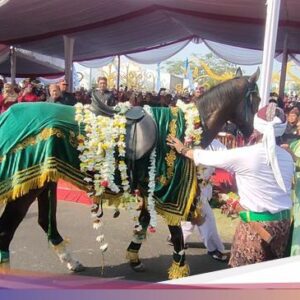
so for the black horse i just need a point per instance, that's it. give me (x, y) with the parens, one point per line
(235, 100)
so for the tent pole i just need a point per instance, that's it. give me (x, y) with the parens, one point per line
(13, 66)
(69, 50)
(90, 79)
(158, 77)
(283, 67)
(118, 74)
(273, 8)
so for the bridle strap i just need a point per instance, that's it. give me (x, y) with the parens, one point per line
(248, 99)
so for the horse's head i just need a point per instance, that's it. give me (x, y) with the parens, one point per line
(247, 107)
(235, 100)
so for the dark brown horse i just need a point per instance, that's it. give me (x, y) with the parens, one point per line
(235, 100)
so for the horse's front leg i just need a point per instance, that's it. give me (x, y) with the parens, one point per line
(47, 204)
(179, 268)
(139, 236)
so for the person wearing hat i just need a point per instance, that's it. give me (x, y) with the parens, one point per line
(264, 172)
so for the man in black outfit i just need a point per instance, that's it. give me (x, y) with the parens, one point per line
(67, 98)
(103, 94)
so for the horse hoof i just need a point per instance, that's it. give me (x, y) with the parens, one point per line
(116, 214)
(94, 208)
(99, 214)
(138, 267)
(78, 267)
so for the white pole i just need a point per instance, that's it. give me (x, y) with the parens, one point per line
(90, 79)
(13, 62)
(69, 49)
(119, 72)
(285, 58)
(273, 8)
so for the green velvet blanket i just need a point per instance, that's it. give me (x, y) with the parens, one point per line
(38, 143)
(176, 183)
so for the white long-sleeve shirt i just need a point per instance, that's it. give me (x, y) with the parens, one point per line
(257, 187)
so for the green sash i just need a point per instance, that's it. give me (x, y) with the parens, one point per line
(251, 216)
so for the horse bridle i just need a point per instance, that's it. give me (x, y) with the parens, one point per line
(248, 98)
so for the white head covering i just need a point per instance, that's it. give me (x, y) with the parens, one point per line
(271, 122)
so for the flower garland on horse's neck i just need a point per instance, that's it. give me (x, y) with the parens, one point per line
(193, 131)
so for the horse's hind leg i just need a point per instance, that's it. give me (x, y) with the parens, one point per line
(47, 204)
(11, 218)
(136, 243)
(178, 268)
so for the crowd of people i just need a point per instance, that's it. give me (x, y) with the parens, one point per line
(32, 91)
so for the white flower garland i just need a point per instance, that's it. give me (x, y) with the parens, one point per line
(98, 149)
(193, 135)
(98, 153)
(151, 184)
(193, 131)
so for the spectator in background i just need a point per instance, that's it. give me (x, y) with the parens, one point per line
(165, 100)
(8, 97)
(290, 133)
(82, 96)
(28, 95)
(55, 94)
(1, 85)
(79, 96)
(103, 94)
(67, 98)
(121, 94)
(103, 100)
(199, 91)
(274, 98)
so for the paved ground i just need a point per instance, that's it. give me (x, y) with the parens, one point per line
(30, 250)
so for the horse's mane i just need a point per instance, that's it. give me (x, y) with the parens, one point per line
(220, 95)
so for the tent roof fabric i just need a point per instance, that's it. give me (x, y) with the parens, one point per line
(27, 65)
(109, 27)
(28, 68)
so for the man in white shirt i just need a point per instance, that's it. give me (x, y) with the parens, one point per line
(207, 230)
(264, 174)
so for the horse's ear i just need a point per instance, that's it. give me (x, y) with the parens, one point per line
(239, 72)
(254, 77)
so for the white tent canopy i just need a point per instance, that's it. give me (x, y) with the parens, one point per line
(233, 54)
(107, 28)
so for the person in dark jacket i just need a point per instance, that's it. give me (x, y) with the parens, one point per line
(67, 98)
